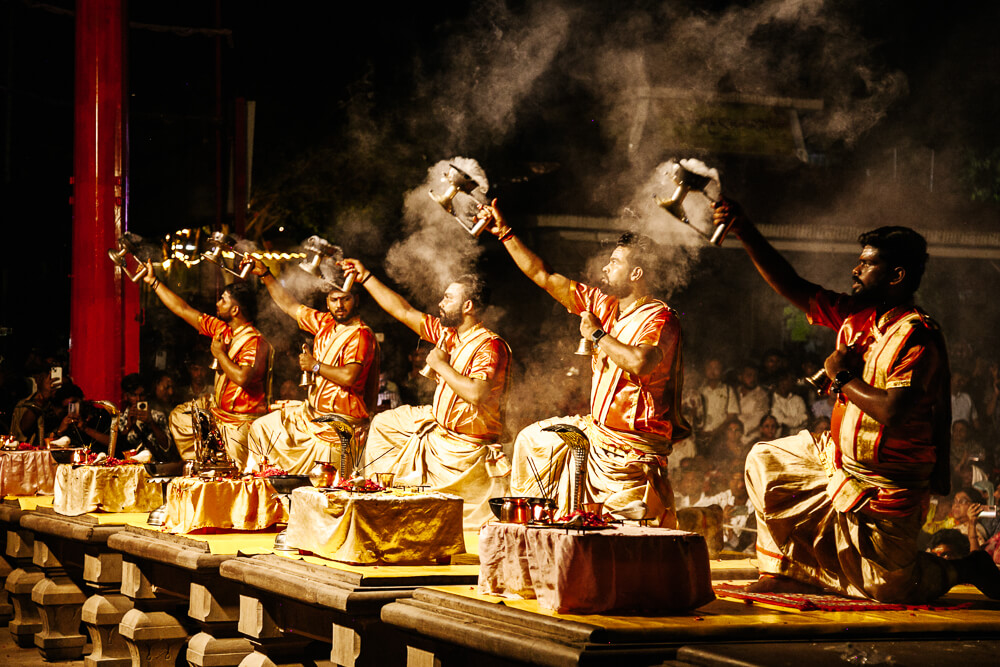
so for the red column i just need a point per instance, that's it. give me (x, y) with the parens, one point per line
(104, 333)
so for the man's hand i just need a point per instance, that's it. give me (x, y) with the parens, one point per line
(436, 357)
(259, 268)
(350, 266)
(219, 347)
(306, 361)
(842, 359)
(497, 226)
(150, 276)
(588, 324)
(726, 210)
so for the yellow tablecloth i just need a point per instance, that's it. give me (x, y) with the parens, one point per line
(228, 504)
(84, 489)
(624, 568)
(27, 473)
(387, 527)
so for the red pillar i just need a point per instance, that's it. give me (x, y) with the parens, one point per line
(104, 333)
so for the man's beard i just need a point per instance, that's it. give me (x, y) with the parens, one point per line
(452, 319)
(346, 317)
(617, 291)
(867, 296)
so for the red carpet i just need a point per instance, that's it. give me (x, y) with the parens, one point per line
(829, 602)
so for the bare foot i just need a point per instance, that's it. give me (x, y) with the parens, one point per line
(774, 583)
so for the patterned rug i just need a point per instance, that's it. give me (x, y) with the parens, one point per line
(829, 602)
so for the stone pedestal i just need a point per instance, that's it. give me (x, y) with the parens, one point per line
(60, 603)
(26, 621)
(101, 615)
(6, 609)
(154, 638)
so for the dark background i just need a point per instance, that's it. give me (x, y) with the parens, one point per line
(355, 103)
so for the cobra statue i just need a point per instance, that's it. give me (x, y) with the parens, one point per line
(578, 447)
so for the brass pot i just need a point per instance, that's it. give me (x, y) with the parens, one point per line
(323, 474)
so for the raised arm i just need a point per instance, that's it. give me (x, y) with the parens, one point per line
(390, 301)
(774, 268)
(174, 303)
(288, 303)
(557, 285)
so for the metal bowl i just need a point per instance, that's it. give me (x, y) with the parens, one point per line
(287, 483)
(64, 454)
(496, 504)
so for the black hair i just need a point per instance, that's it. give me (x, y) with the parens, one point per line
(67, 390)
(131, 382)
(902, 247)
(245, 297)
(476, 290)
(642, 251)
(958, 542)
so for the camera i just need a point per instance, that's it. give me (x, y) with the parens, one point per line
(142, 406)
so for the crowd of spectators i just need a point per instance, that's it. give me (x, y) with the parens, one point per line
(729, 407)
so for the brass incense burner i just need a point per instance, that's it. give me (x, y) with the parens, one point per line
(460, 182)
(686, 180)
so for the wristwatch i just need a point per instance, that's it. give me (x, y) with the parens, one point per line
(598, 335)
(840, 379)
(316, 367)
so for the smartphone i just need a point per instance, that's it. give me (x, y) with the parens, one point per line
(73, 409)
(57, 375)
(142, 406)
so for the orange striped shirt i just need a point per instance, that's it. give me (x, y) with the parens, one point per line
(646, 405)
(338, 345)
(903, 348)
(245, 344)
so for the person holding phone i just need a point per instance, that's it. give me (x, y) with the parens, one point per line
(33, 417)
(139, 427)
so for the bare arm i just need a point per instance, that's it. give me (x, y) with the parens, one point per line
(174, 303)
(557, 285)
(288, 303)
(771, 265)
(889, 407)
(345, 375)
(471, 390)
(637, 360)
(390, 301)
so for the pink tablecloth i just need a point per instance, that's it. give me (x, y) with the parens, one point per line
(27, 473)
(625, 568)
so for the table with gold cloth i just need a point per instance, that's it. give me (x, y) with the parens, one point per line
(387, 527)
(27, 473)
(590, 572)
(84, 489)
(247, 503)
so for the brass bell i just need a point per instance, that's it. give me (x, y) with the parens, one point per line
(585, 348)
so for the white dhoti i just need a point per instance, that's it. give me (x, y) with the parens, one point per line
(291, 441)
(419, 451)
(802, 536)
(613, 476)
